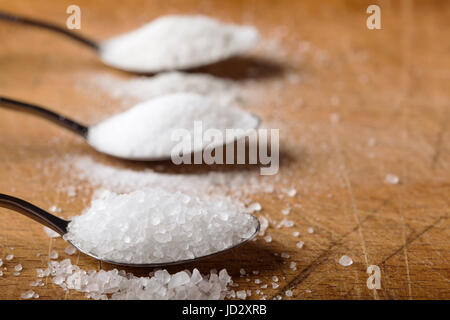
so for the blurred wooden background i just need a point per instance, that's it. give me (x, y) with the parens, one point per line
(352, 105)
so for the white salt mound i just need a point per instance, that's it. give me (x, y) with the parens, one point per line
(145, 131)
(156, 226)
(119, 285)
(177, 42)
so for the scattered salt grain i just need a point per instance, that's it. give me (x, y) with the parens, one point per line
(291, 192)
(268, 238)
(55, 209)
(1, 273)
(28, 295)
(286, 211)
(293, 265)
(310, 230)
(264, 286)
(275, 278)
(51, 233)
(263, 225)
(257, 281)
(1, 262)
(391, 179)
(157, 226)
(300, 244)
(9, 257)
(129, 135)
(119, 285)
(285, 255)
(256, 206)
(16, 273)
(275, 285)
(70, 250)
(242, 271)
(295, 233)
(242, 294)
(53, 254)
(18, 267)
(345, 261)
(288, 293)
(177, 42)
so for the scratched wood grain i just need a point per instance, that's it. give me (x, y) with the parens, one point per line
(390, 86)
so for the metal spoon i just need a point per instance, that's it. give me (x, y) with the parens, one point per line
(60, 226)
(72, 125)
(101, 48)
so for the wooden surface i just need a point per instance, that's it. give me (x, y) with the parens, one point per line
(329, 84)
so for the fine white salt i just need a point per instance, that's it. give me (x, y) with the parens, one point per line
(150, 129)
(177, 42)
(155, 226)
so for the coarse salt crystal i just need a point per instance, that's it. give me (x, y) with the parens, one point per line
(391, 179)
(18, 267)
(51, 233)
(268, 238)
(70, 250)
(310, 230)
(300, 244)
(9, 257)
(53, 254)
(288, 293)
(256, 206)
(345, 261)
(27, 295)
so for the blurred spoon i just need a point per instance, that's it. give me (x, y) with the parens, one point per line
(179, 43)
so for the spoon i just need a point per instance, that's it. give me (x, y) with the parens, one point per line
(79, 128)
(111, 54)
(60, 225)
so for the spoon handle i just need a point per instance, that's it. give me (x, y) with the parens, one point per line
(45, 113)
(42, 24)
(31, 211)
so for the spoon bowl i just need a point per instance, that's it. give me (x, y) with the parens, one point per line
(60, 226)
